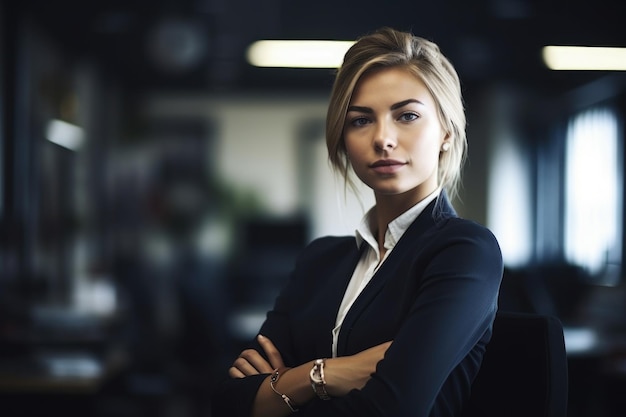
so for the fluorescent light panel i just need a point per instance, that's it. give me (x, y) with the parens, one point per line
(297, 54)
(65, 134)
(584, 58)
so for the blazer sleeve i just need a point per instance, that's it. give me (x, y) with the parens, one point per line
(458, 274)
(442, 338)
(234, 397)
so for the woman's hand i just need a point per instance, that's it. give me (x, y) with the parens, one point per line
(346, 373)
(342, 374)
(250, 362)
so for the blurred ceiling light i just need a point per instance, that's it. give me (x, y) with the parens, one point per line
(583, 58)
(297, 54)
(65, 134)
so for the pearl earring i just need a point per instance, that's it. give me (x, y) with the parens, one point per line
(445, 147)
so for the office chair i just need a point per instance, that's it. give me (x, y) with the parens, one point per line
(524, 370)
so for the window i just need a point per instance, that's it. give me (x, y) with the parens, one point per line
(593, 189)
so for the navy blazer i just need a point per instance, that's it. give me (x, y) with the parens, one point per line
(435, 296)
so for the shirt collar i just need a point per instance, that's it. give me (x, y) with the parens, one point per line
(396, 228)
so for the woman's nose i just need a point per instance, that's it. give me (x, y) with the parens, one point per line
(385, 139)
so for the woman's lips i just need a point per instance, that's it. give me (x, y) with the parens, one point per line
(387, 166)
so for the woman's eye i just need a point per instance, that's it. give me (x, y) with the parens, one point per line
(359, 121)
(409, 117)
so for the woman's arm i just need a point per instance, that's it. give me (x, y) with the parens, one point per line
(292, 383)
(250, 362)
(342, 375)
(446, 295)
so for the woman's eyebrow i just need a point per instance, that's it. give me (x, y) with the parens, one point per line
(360, 109)
(395, 106)
(404, 103)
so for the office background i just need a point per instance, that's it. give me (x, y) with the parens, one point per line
(155, 187)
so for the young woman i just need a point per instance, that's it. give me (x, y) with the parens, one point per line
(395, 321)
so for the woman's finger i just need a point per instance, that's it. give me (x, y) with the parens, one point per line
(250, 362)
(258, 362)
(245, 367)
(233, 372)
(274, 356)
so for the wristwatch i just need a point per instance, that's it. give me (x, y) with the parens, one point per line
(318, 383)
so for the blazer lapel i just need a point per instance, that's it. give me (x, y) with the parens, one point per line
(335, 289)
(442, 208)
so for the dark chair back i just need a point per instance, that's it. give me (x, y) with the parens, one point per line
(524, 370)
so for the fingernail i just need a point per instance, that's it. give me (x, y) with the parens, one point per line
(261, 337)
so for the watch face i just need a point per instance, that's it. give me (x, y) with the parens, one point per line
(317, 380)
(316, 372)
(315, 376)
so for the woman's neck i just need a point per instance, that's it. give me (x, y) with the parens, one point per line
(388, 208)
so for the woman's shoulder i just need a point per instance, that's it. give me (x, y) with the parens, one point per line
(326, 253)
(458, 227)
(325, 244)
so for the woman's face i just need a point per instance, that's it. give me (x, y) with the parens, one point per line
(392, 134)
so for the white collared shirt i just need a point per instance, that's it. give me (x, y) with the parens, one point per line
(370, 260)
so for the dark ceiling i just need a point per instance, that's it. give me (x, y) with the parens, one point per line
(199, 45)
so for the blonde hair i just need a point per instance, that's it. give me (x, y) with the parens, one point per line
(391, 48)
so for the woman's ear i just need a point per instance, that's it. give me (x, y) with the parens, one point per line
(446, 143)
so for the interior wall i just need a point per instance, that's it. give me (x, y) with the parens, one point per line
(256, 150)
(497, 182)
(260, 151)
